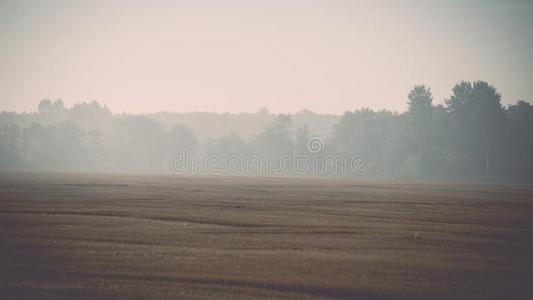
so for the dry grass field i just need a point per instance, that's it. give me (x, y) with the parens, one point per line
(71, 236)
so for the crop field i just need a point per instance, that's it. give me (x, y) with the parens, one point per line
(73, 236)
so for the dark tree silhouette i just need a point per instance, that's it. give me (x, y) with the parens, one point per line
(419, 104)
(477, 109)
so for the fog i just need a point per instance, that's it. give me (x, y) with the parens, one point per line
(471, 137)
(388, 89)
(237, 56)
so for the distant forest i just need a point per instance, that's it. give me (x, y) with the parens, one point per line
(471, 137)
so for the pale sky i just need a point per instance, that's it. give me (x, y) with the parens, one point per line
(327, 56)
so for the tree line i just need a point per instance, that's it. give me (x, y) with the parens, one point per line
(472, 136)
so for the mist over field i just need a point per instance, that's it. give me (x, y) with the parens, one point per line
(472, 137)
(266, 149)
(396, 89)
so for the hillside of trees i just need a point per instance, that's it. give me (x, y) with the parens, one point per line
(471, 137)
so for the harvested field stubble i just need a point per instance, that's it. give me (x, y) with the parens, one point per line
(72, 236)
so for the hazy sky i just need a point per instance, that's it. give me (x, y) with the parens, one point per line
(327, 56)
